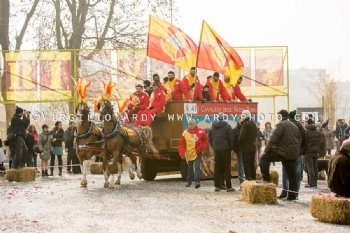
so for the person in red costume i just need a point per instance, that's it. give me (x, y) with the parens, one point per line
(175, 89)
(192, 84)
(156, 78)
(139, 101)
(217, 90)
(237, 91)
(234, 91)
(157, 104)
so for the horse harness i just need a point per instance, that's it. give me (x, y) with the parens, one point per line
(86, 135)
(126, 136)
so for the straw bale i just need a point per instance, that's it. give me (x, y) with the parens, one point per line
(96, 168)
(259, 193)
(25, 174)
(330, 209)
(273, 176)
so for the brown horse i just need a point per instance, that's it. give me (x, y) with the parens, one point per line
(119, 140)
(87, 135)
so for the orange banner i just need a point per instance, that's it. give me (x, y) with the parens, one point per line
(214, 53)
(55, 75)
(269, 69)
(21, 76)
(132, 70)
(96, 66)
(170, 44)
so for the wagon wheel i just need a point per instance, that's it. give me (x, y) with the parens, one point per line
(148, 169)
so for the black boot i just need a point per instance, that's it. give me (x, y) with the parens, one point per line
(46, 174)
(60, 171)
(43, 173)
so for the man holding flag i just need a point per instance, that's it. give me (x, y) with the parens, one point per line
(175, 89)
(192, 84)
(217, 90)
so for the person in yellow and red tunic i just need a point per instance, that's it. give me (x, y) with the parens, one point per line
(217, 90)
(192, 84)
(193, 142)
(139, 101)
(234, 91)
(175, 90)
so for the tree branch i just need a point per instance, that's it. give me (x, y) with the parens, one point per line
(101, 42)
(58, 24)
(19, 38)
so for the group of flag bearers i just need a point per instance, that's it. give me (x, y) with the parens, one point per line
(145, 107)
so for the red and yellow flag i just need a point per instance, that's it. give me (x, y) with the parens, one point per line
(214, 53)
(170, 44)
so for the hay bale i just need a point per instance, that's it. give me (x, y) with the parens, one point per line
(330, 209)
(25, 174)
(273, 176)
(262, 193)
(96, 168)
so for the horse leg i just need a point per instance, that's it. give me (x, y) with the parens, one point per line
(131, 169)
(138, 164)
(83, 182)
(105, 173)
(119, 174)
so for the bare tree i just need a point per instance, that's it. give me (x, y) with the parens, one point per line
(326, 92)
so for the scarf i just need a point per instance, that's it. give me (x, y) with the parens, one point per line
(170, 84)
(191, 79)
(215, 87)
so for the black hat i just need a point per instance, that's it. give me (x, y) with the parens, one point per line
(19, 110)
(44, 126)
(216, 74)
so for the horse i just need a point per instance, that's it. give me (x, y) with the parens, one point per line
(86, 134)
(120, 139)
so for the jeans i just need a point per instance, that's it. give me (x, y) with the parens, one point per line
(240, 168)
(288, 165)
(35, 159)
(196, 165)
(312, 169)
(30, 160)
(249, 165)
(285, 181)
(52, 163)
(222, 158)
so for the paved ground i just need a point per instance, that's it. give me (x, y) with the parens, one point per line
(59, 204)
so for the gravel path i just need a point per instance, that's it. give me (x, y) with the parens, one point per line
(59, 204)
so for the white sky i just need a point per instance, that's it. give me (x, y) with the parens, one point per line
(317, 32)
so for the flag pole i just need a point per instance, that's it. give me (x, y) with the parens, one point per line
(199, 43)
(149, 26)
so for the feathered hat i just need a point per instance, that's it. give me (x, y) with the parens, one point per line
(108, 89)
(81, 87)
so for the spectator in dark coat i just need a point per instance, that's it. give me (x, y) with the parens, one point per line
(221, 141)
(312, 150)
(340, 131)
(236, 132)
(57, 137)
(260, 139)
(284, 145)
(322, 153)
(19, 125)
(298, 164)
(69, 137)
(29, 140)
(339, 171)
(248, 144)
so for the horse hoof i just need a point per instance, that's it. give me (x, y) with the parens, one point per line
(117, 182)
(106, 185)
(83, 183)
(111, 186)
(132, 176)
(139, 175)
